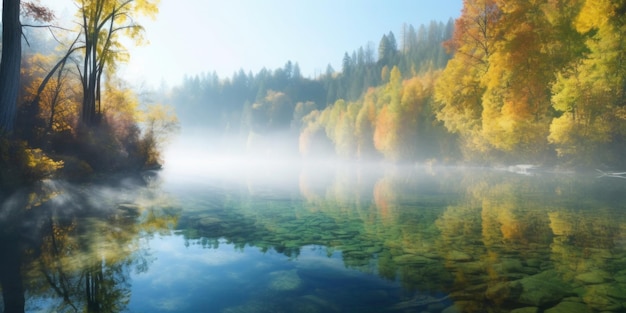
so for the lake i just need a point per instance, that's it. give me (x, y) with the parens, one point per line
(281, 237)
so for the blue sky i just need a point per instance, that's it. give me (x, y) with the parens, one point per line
(195, 36)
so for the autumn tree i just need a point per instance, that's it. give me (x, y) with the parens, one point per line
(160, 122)
(344, 133)
(496, 91)
(301, 110)
(402, 122)
(364, 126)
(387, 132)
(460, 89)
(102, 23)
(590, 92)
(516, 102)
(271, 113)
(313, 140)
(51, 95)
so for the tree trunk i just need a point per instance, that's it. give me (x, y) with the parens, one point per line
(10, 64)
(90, 114)
(10, 274)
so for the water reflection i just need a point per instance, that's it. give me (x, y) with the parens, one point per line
(456, 240)
(71, 248)
(309, 239)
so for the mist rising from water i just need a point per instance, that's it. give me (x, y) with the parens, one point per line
(200, 153)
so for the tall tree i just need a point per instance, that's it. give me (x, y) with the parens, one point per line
(460, 89)
(10, 63)
(384, 49)
(516, 103)
(590, 93)
(102, 21)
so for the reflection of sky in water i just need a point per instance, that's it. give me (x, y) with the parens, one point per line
(397, 239)
(190, 278)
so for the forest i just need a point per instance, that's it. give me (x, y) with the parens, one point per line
(507, 82)
(274, 112)
(64, 110)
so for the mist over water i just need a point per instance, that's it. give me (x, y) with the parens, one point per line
(203, 154)
(266, 231)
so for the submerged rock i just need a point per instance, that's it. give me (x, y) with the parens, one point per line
(605, 297)
(534, 262)
(569, 307)
(475, 267)
(504, 291)
(543, 289)
(530, 309)
(620, 279)
(313, 303)
(284, 280)
(462, 306)
(537, 290)
(412, 259)
(593, 277)
(458, 256)
(418, 301)
(512, 265)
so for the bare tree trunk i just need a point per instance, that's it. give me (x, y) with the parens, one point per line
(10, 64)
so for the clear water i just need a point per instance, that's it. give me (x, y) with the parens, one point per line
(274, 237)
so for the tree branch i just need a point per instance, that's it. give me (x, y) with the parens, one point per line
(45, 26)
(61, 63)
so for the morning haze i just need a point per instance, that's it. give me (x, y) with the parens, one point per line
(318, 156)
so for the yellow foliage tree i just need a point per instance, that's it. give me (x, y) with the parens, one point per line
(58, 102)
(590, 93)
(516, 102)
(159, 124)
(364, 126)
(102, 22)
(459, 90)
(496, 91)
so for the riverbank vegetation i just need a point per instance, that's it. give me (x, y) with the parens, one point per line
(71, 114)
(507, 82)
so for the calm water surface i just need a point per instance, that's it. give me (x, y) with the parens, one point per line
(334, 238)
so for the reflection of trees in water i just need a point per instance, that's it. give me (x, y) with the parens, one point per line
(78, 245)
(341, 213)
(518, 227)
(467, 234)
(87, 275)
(17, 235)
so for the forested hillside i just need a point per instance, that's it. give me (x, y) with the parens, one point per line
(251, 108)
(508, 81)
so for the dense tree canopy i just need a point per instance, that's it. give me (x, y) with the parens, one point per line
(530, 79)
